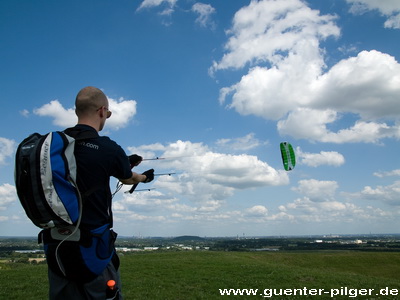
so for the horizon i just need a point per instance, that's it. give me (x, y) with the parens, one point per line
(331, 235)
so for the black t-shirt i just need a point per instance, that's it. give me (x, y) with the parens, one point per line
(97, 160)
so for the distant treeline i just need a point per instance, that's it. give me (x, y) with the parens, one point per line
(359, 243)
(294, 244)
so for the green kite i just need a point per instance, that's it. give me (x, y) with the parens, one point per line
(288, 157)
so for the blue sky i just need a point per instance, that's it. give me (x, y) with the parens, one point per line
(214, 87)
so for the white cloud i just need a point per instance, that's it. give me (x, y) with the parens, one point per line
(24, 113)
(7, 148)
(304, 210)
(122, 113)
(331, 158)
(264, 30)
(195, 188)
(244, 143)
(203, 182)
(152, 200)
(306, 123)
(389, 194)
(284, 34)
(155, 3)
(162, 207)
(318, 205)
(62, 117)
(204, 11)
(257, 211)
(317, 190)
(307, 206)
(8, 195)
(167, 6)
(388, 173)
(147, 151)
(262, 92)
(128, 217)
(361, 85)
(201, 187)
(196, 161)
(388, 8)
(288, 82)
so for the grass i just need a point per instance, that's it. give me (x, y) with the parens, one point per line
(200, 275)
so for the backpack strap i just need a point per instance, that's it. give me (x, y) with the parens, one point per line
(81, 134)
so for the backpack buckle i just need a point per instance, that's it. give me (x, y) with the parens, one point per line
(70, 233)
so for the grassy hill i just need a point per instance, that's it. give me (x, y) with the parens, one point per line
(201, 275)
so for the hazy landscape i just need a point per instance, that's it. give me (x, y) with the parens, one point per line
(191, 267)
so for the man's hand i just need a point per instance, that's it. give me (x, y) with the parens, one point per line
(135, 160)
(149, 175)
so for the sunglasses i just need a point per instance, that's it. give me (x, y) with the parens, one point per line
(108, 111)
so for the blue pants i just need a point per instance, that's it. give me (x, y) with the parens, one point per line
(64, 289)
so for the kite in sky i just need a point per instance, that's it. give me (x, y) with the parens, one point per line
(288, 157)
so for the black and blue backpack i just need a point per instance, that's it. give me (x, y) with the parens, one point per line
(45, 179)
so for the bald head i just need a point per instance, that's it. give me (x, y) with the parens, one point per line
(88, 100)
(91, 107)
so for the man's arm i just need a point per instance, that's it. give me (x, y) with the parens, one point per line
(135, 178)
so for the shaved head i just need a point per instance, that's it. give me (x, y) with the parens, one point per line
(88, 100)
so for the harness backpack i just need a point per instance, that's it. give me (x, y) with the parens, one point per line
(45, 179)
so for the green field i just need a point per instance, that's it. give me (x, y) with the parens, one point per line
(201, 274)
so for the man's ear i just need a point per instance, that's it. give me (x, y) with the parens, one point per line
(102, 112)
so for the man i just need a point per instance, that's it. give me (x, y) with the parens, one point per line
(81, 269)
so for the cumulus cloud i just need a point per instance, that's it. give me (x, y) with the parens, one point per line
(307, 123)
(388, 8)
(157, 207)
(330, 158)
(7, 148)
(203, 182)
(388, 173)
(361, 85)
(288, 81)
(165, 207)
(306, 210)
(312, 124)
(317, 190)
(389, 194)
(145, 202)
(62, 117)
(122, 113)
(200, 190)
(197, 162)
(257, 211)
(264, 31)
(7, 195)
